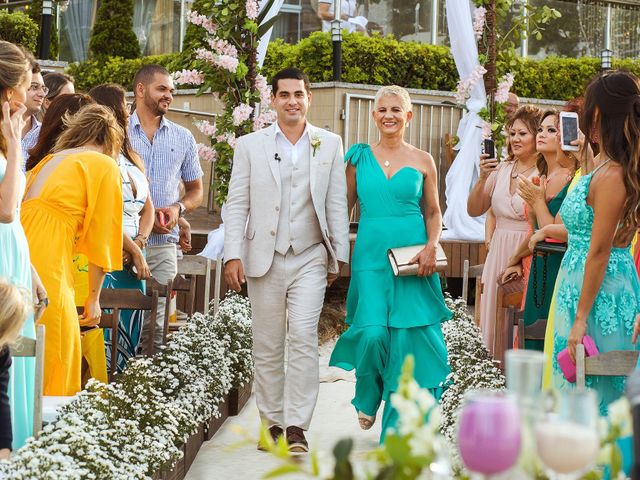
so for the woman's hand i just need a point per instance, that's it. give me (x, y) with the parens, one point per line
(40, 300)
(426, 260)
(12, 124)
(142, 268)
(126, 257)
(529, 191)
(91, 315)
(514, 271)
(487, 166)
(185, 236)
(577, 333)
(537, 237)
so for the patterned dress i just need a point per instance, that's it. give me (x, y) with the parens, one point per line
(611, 319)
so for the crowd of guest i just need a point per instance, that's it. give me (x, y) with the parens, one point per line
(564, 225)
(81, 181)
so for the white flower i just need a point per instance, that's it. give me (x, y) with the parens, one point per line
(478, 21)
(502, 91)
(620, 415)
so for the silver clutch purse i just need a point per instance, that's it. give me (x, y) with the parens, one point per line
(400, 258)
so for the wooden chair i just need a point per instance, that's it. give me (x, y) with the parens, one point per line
(535, 331)
(501, 341)
(613, 363)
(130, 299)
(474, 271)
(153, 287)
(112, 320)
(194, 265)
(28, 347)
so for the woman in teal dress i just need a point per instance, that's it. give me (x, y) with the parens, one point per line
(391, 317)
(15, 266)
(598, 292)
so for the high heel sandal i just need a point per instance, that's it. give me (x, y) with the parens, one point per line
(366, 421)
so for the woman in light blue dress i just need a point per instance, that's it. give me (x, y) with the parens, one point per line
(14, 251)
(598, 292)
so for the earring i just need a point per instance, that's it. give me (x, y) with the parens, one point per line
(594, 137)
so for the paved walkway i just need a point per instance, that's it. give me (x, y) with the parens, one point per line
(334, 419)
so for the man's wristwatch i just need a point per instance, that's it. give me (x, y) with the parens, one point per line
(182, 208)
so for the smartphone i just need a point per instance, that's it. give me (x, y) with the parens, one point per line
(162, 218)
(568, 131)
(489, 148)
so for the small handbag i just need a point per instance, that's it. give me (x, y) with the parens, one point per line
(512, 285)
(400, 257)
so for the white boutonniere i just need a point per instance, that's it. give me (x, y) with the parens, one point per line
(315, 144)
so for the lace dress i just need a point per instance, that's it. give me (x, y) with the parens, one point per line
(611, 319)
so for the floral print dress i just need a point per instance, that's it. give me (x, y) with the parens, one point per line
(610, 322)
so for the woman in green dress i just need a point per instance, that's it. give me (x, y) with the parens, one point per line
(391, 317)
(543, 201)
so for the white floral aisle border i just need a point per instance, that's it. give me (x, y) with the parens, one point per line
(472, 367)
(133, 428)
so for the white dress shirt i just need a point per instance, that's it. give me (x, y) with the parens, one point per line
(286, 149)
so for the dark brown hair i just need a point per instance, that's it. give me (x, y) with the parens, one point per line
(53, 124)
(55, 81)
(531, 117)
(113, 96)
(612, 108)
(290, 73)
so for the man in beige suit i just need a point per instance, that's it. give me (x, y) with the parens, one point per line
(286, 233)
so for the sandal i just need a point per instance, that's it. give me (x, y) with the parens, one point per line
(366, 421)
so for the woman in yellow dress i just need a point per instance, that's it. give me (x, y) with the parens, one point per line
(73, 203)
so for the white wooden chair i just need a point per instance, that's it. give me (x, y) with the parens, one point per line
(609, 364)
(45, 409)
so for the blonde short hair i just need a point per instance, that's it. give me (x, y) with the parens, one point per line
(401, 93)
(14, 309)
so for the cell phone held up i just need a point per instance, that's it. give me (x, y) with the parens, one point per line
(568, 131)
(489, 147)
(162, 218)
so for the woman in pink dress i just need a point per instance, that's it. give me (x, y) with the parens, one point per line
(497, 189)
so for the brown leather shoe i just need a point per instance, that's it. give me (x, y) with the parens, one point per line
(276, 432)
(296, 440)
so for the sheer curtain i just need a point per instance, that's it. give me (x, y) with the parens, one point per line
(77, 21)
(464, 171)
(142, 15)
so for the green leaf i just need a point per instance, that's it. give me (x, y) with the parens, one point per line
(264, 27)
(283, 470)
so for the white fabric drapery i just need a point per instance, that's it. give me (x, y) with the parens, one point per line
(77, 24)
(464, 171)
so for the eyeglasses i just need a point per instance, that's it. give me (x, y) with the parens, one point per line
(35, 87)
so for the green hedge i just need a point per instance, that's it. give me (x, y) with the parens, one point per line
(116, 70)
(113, 31)
(378, 61)
(19, 28)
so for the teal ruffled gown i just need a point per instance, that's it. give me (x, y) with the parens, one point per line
(389, 317)
(611, 319)
(15, 267)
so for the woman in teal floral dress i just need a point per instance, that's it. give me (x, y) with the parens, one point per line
(598, 292)
(392, 317)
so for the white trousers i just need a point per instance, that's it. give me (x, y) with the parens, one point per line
(163, 263)
(288, 298)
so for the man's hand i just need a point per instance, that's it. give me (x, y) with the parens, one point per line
(332, 277)
(171, 216)
(234, 274)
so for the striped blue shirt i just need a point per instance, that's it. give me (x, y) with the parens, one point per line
(29, 141)
(171, 157)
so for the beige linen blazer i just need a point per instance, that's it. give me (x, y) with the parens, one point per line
(252, 210)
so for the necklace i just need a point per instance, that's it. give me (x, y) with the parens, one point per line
(515, 173)
(386, 163)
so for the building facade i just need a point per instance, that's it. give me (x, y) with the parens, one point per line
(585, 29)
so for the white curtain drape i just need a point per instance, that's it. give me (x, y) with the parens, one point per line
(77, 24)
(464, 170)
(142, 19)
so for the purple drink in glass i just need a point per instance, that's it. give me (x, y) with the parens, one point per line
(489, 433)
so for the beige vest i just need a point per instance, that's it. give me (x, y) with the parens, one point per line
(298, 225)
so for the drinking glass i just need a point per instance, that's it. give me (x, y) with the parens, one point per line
(524, 374)
(489, 432)
(567, 441)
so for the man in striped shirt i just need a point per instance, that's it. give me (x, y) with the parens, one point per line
(35, 97)
(170, 156)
